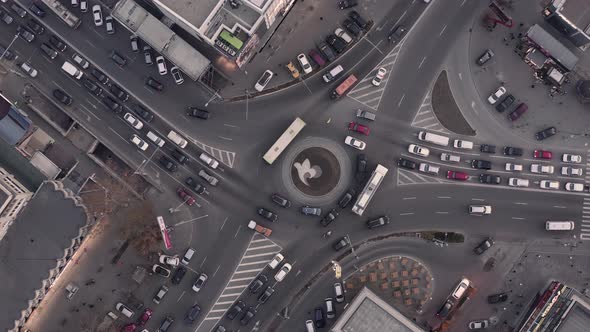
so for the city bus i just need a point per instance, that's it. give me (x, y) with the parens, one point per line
(365, 196)
(281, 144)
(62, 12)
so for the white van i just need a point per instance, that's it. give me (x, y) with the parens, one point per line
(177, 139)
(333, 73)
(559, 225)
(187, 256)
(72, 70)
(462, 144)
(433, 138)
(156, 139)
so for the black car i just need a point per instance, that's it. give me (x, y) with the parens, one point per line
(178, 275)
(347, 4)
(358, 19)
(490, 179)
(327, 51)
(179, 156)
(58, 44)
(485, 245)
(341, 244)
(37, 10)
(381, 221)
(99, 75)
(512, 151)
(345, 200)
(445, 309)
(49, 51)
(319, 317)
(487, 148)
(62, 97)
(328, 218)
(505, 104)
(92, 87)
(112, 104)
(280, 201)
(6, 18)
(197, 113)
(397, 34)
(154, 84)
(545, 133)
(497, 298)
(485, 57)
(361, 166)
(166, 323)
(481, 164)
(8, 55)
(250, 313)
(267, 214)
(25, 34)
(142, 112)
(192, 314)
(352, 27)
(258, 283)
(36, 27)
(235, 310)
(338, 44)
(119, 92)
(118, 58)
(168, 164)
(195, 185)
(405, 163)
(266, 295)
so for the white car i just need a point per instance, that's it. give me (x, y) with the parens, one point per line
(494, 97)
(418, 150)
(97, 15)
(209, 160)
(27, 68)
(340, 33)
(276, 261)
(283, 272)
(161, 62)
(80, 60)
(83, 6)
(379, 77)
(169, 260)
(450, 157)
(548, 184)
(110, 24)
(355, 143)
(516, 182)
(479, 324)
(198, 285)
(428, 169)
(542, 169)
(514, 167)
(263, 80)
(480, 209)
(177, 75)
(133, 121)
(304, 63)
(571, 171)
(571, 158)
(141, 144)
(124, 310)
(571, 186)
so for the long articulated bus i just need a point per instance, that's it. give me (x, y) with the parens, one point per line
(62, 12)
(281, 144)
(370, 188)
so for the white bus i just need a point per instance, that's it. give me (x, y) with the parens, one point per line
(281, 144)
(365, 196)
(62, 12)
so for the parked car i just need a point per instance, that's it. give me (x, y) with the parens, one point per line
(545, 133)
(160, 294)
(304, 63)
(37, 10)
(142, 112)
(99, 75)
(145, 317)
(280, 200)
(209, 178)
(494, 97)
(124, 310)
(397, 34)
(481, 164)
(512, 151)
(405, 163)
(192, 314)
(428, 169)
(358, 19)
(134, 43)
(266, 295)
(418, 150)
(118, 58)
(154, 84)
(513, 167)
(235, 310)
(292, 69)
(327, 51)
(548, 184)
(485, 57)
(457, 175)
(379, 76)
(282, 273)
(257, 284)
(490, 179)
(571, 158)
(147, 55)
(141, 144)
(177, 75)
(352, 27)
(339, 292)
(129, 118)
(200, 282)
(178, 275)
(62, 97)
(25, 34)
(542, 154)
(166, 323)
(516, 182)
(263, 80)
(485, 245)
(316, 57)
(571, 171)
(577, 187)
(267, 214)
(497, 298)
(97, 15)
(329, 218)
(28, 69)
(355, 143)
(311, 211)
(168, 164)
(337, 44)
(194, 185)
(208, 160)
(542, 169)
(518, 112)
(487, 148)
(341, 244)
(159, 269)
(378, 222)
(35, 26)
(185, 196)
(479, 324)
(161, 64)
(346, 198)
(345, 4)
(92, 87)
(248, 315)
(343, 35)
(506, 103)
(445, 309)
(18, 10)
(319, 318)
(57, 43)
(198, 113)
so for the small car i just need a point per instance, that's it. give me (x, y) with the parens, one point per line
(494, 97)
(329, 218)
(428, 169)
(63, 97)
(194, 185)
(257, 284)
(346, 198)
(319, 318)
(480, 209)
(506, 103)
(248, 315)
(485, 57)
(266, 295)
(192, 313)
(35, 26)
(571, 186)
(154, 84)
(209, 178)
(169, 260)
(345, 4)
(36, 9)
(379, 76)
(97, 15)
(516, 182)
(80, 61)
(134, 43)
(58, 44)
(147, 55)
(198, 113)
(304, 63)
(479, 324)
(343, 35)
(110, 24)
(548, 184)
(545, 133)
(513, 167)
(133, 121)
(457, 175)
(518, 112)
(450, 157)
(445, 309)
(200, 282)
(358, 19)
(405, 163)
(341, 244)
(359, 128)
(542, 169)
(168, 164)
(99, 75)
(121, 94)
(497, 298)
(161, 64)
(145, 317)
(27, 68)
(418, 150)
(18, 10)
(280, 201)
(159, 269)
(512, 151)
(141, 144)
(355, 143)
(339, 292)
(311, 211)
(378, 222)
(208, 160)
(489, 179)
(142, 112)
(177, 75)
(276, 261)
(166, 323)
(185, 196)
(124, 310)
(283, 272)
(263, 80)
(327, 51)
(235, 310)
(92, 87)
(120, 60)
(481, 164)
(160, 294)
(25, 34)
(571, 171)
(487, 148)
(292, 69)
(571, 158)
(337, 44)
(267, 214)
(397, 34)
(542, 154)
(352, 27)
(485, 245)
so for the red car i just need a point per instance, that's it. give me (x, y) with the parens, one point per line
(147, 314)
(456, 175)
(129, 328)
(542, 154)
(190, 201)
(359, 128)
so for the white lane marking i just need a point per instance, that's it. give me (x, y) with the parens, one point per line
(225, 138)
(181, 295)
(521, 203)
(237, 231)
(116, 133)
(462, 3)
(217, 269)
(443, 30)
(460, 76)
(517, 218)
(478, 199)
(400, 101)
(187, 221)
(223, 223)
(406, 214)
(421, 62)
(405, 198)
(400, 18)
(502, 157)
(443, 196)
(441, 212)
(559, 206)
(228, 125)
(203, 262)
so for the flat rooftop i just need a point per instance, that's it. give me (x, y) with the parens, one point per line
(576, 12)
(194, 12)
(578, 318)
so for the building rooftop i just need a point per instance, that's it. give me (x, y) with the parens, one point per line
(578, 317)
(368, 313)
(549, 43)
(31, 248)
(193, 12)
(577, 12)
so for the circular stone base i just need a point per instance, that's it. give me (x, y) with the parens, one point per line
(316, 170)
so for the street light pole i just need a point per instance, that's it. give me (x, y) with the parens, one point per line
(215, 96)
(12, 42)
(352, 248)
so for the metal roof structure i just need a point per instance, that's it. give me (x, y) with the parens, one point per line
(161, 38)
(551, 45)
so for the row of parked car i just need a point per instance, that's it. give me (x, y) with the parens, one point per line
(326, 311)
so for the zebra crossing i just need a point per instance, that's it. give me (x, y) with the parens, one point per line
(585, 225)
(426, 119)
(368, 94)
(406, 177)
(260, 251)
